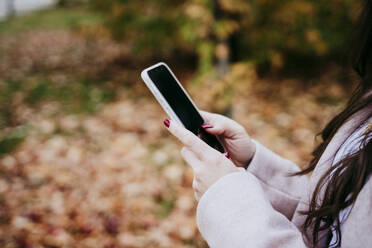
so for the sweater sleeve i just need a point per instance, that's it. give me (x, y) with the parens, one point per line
(273, 172)
(235, 212)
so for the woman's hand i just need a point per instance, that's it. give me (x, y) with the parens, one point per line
(208, 164)
(233, 137)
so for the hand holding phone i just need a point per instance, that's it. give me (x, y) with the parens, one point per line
(176, 102)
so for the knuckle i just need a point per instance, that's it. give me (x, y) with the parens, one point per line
(188, 138)
(196, 191)
(211, 160)
(239, 128)
(198, 180)
(197, 172)
(218, 160)
(196, 196)
(183, 151)
(195, 186)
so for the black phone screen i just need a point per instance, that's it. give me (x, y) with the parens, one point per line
(181, 105)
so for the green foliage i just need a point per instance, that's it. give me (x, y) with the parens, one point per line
(270, 32)
(301, 28)
(143, 24)
(9, 141)
(59, 18)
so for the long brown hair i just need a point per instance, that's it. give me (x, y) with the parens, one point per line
(343, 181)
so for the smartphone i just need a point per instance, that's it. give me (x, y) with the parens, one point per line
(176, 102)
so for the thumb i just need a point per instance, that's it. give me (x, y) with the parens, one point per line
(213, 129)
(217, 124)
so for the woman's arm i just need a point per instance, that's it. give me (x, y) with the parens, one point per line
(283, 191)
(235, 212)
(272, 170)
(234, 209)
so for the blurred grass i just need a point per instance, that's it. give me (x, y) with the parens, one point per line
(51, 19)
(81, 95)
(9, 141)
(166, 207)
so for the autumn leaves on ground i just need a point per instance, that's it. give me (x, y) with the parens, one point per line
(92, 164)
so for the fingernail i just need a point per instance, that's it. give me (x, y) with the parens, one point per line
(206, 126)
(227, 155)
(167, 123)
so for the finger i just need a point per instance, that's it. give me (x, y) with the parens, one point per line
(207, 116)
(191, 141)
(211, 118)
(196, 195)
(214, 123)
(195, 186)
(191, 158)
(220, 125)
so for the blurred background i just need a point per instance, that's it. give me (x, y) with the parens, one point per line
(85, 160)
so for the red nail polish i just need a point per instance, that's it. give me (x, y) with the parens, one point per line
(167, 123)
(206, 126)
(227, 155)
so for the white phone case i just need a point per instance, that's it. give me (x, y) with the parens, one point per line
(159, 96)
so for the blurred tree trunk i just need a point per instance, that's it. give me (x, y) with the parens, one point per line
(10, 8)
(223, 52)
(222, 49)
(70, 3)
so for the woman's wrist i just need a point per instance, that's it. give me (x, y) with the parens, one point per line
(252, 152)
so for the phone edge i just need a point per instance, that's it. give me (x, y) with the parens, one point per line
(161, 99)
(144, 72)
(158, 96)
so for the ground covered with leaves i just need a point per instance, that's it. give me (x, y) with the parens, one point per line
(91, 163)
